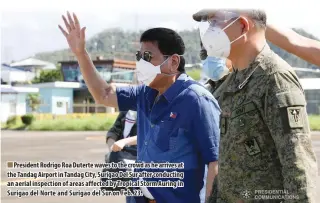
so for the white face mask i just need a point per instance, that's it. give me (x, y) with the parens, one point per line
(216, 41)
(146, 71)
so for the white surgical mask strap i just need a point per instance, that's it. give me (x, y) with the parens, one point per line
(238, 37)
(164, 60)
(232, 24)
(170, 69)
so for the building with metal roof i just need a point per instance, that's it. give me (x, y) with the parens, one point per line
(14, 101)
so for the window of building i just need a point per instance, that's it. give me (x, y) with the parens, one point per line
(59, 104)
(72, 73)
(122, 75)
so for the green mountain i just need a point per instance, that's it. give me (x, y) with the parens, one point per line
(116, 43)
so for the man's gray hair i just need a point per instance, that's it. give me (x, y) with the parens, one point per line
(259, 17)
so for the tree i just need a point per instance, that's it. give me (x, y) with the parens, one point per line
(34, 101)
(49, 76)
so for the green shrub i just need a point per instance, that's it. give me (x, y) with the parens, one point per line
(13, 120)
(27, 119)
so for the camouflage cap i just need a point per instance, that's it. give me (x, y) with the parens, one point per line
(202, 14)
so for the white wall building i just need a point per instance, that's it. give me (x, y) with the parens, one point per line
(56, 97)
(9, 75)
(14, 101)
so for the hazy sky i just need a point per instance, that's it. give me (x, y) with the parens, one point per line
(30, 26)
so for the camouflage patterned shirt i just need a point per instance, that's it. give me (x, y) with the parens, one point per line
(265, 144)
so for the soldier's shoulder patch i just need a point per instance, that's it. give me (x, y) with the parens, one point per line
(295, 117)
(252, 146)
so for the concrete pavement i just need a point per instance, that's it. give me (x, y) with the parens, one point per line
(22, 146)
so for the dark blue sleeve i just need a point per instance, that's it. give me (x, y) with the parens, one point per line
(205, 128)
(128, 97)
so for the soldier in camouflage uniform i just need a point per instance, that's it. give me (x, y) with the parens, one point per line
(265, 137)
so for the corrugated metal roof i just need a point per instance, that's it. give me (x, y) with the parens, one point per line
(5, 67)
(7, 90)
(32, 62)
(12, 89)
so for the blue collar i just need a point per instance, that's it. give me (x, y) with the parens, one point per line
(176, 87)
(171, 92)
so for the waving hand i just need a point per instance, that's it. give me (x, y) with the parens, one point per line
(75, 35)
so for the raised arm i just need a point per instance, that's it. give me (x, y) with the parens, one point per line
(102, 92)
(292, 42)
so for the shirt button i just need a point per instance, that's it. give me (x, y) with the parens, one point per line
(146, 143)
(152, 125)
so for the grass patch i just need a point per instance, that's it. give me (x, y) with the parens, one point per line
(89, 123)
(195, 74)
(314, 121)
(92, 123)
(95, 123)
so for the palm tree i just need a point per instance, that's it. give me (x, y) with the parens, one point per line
(34, 101)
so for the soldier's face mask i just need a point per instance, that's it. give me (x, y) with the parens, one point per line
(215, 68)
(213, 35)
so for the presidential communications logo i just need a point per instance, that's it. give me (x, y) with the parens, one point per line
(246, 194)
(269, 195)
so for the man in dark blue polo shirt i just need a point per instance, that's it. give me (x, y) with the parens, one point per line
(178, 119)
